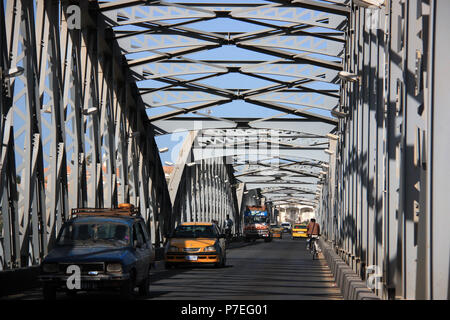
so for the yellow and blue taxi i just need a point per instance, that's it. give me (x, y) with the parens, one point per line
(277, 231)
(299, 231)
(196, 243)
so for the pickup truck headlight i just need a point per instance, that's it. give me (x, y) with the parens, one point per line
(173, 249)
(210, 249)
(114, 267)
(50, 267)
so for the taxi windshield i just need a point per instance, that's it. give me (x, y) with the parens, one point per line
(86, 233)
(195, 232)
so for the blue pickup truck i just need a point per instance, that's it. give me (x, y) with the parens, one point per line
(99, 249)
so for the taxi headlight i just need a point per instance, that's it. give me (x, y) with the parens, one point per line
(173, 249)
(50, 267)
(210, 249)
(114, 267)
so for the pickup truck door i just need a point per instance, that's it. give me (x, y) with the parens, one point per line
(139, 252)
(149, 253)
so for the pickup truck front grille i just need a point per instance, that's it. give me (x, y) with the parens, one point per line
(84, 267)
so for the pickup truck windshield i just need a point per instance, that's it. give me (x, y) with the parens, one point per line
(84, 233)
(195, 232)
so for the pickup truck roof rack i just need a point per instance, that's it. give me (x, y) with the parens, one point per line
(123, 210)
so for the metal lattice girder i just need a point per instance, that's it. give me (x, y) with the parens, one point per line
(308, 44)
(141, 14)
(302, 99)
(191, 123)
(161, 70)
(306, 99)
(294, 15)
(203, 153)
(167, 98)
(148, 42)
(72, 130)
(164, 26)
(297, 70)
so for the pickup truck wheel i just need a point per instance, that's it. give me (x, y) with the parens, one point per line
(144, 287)
(49, 292)
(127, 289)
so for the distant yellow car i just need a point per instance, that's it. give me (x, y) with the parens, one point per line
(196, 243)
(277, 231)
(299, 231)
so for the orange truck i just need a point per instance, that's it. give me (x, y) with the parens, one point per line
(257, 224)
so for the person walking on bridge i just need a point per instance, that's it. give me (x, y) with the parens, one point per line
(228, 225)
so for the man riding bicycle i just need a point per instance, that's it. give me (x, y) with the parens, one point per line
(313, 231)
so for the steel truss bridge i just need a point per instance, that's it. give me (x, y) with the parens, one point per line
(357, 129)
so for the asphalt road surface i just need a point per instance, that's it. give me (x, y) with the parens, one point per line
(278, 270)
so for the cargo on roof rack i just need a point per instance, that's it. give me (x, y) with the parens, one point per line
(124, 209)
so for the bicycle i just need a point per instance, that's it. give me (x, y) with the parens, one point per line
(313, 246)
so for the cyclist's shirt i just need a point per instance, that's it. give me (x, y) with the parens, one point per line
(313, 228)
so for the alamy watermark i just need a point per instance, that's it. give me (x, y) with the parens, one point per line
(73, 17)
(73, 282)
(374, 277)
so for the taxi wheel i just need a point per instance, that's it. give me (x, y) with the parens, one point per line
(222, 262)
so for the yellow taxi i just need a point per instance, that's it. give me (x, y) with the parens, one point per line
(195, 243)
(277, 231)
(299, 231)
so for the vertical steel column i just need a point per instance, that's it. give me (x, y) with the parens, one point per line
(439, 97)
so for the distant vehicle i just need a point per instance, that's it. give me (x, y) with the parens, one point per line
(277, 231)
(110, 248)
(257, 224)
(196, 243)
(286, 226)
(299, 231)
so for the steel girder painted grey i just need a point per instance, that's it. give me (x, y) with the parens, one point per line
(290, 32)
(380, 206)
(72, 129)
